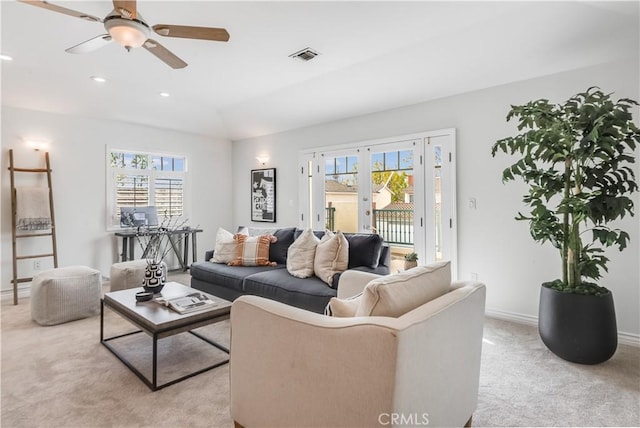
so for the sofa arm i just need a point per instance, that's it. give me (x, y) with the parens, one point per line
(352, 282)
(208, 255)
(291, 367)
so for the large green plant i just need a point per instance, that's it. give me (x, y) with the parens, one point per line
(575, 158)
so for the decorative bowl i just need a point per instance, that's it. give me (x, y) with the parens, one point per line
(155, 289)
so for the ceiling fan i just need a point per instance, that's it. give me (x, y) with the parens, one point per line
(125, 25)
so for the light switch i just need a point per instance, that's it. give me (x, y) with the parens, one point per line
(472, 203)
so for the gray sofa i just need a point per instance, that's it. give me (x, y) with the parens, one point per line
(367, 253)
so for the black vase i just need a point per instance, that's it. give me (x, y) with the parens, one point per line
(576, 327)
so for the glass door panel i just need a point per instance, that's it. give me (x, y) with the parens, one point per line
(392, 199)
(341, 192)
(437, 199)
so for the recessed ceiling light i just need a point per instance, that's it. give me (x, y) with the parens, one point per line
(164, 94)
(6, 57)
(98, 79)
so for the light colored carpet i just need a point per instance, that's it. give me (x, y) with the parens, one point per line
(61, 376)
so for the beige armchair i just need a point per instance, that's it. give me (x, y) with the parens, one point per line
(294, 368)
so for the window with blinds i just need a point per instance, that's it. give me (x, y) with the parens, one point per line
(145, 179)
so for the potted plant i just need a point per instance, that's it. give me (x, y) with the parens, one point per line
(575, 157)
(410, 260)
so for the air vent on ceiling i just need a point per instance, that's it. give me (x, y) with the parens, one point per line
(306, 54)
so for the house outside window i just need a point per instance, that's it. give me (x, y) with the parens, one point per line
(140, 179)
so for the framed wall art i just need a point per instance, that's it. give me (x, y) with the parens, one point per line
(263, 195)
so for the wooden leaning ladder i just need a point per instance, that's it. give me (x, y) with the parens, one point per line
(14, 232)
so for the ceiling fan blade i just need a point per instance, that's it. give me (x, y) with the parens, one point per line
(46, 5)
(126, 8)
(90, 45)
(202, 33)
(164, 54)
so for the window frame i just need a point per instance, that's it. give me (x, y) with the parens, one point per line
(112, 219)
(312, 204)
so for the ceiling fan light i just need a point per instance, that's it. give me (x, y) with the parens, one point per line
(126, 32)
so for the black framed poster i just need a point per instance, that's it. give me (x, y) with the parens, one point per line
(263, 195)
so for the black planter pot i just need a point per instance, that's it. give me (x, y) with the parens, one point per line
(578, 328)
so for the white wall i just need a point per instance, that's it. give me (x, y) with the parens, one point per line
(77, 153)
(490, 242)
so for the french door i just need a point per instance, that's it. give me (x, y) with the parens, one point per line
(402, 189)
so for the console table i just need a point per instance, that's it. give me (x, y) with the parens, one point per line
(130, 237)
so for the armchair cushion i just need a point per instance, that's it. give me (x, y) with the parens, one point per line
(394, 295)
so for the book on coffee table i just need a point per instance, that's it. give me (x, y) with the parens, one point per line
(189, 303)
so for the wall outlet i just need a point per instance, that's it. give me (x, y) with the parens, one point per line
(474, 276)
(37, 265)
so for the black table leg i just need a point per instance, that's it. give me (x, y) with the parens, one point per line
(131, 250)
(194, 250)
(185, 263)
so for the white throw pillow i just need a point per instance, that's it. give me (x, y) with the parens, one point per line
(301, 254)
(332, 256)
(394, 295)
(343, 308)
(226, 247)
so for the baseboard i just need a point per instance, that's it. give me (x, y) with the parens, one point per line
(511, 316)
(629, 339)
(23, 291)
(623, 338)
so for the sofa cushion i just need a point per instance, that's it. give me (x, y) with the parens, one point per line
(278, 250)
(224, 275)
(318, 233)
(397, 294)
(253, 250)
(364, 249)
(226, 247)
(277, 284)
(332, 256)
(301, 255)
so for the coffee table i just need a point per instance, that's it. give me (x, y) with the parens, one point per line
(160, 322)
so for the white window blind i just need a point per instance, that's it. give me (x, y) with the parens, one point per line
(169, 194)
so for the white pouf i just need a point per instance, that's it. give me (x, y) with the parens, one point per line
(65, 294)
(129, 274)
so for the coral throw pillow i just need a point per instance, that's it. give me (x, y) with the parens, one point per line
(332, 256)
(253, 250)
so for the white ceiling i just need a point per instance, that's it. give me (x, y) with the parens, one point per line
(374, 56)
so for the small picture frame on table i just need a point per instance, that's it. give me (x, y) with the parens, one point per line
(263, 195)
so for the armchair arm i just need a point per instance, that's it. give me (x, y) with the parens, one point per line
(353, 282)
(292, 367)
